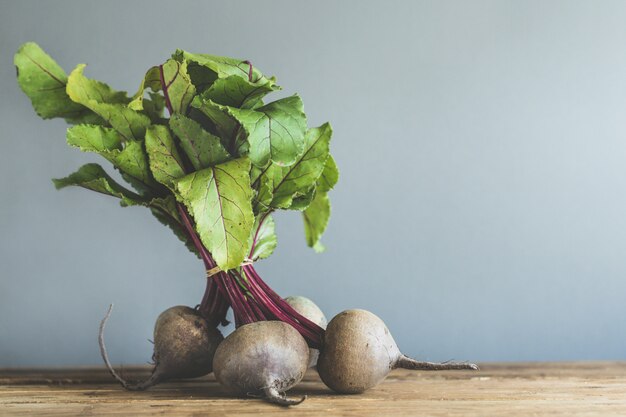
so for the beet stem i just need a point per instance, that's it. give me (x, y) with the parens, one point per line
(221, 295)
(263, 307)
(222, 305)
(270, 305)
(164, 87)
(258, 309)
(312, 338)
(405, 362)
(246, 311)
(273, 396)
(207, 299)
(214, 303)
(213, 297)
(311, 331)
(251, 301)
(273, 303)
(204, 254)
(284, 305)
(234, 302)
(256, 234)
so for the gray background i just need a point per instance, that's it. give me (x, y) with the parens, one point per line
(481, 210)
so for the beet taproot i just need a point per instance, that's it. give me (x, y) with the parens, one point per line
(359, 352)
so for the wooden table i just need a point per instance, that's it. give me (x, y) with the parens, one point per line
(523, 389)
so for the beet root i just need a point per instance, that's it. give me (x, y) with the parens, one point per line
(184, 346)
(359, 352)
(263, 358)
(311, 311)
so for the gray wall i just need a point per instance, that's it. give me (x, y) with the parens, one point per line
(482, 205)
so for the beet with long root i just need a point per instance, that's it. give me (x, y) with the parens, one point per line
(184, 346)
(359, 352)
(264, 358)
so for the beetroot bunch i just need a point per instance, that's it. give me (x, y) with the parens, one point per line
(203, 149)
(213, 168)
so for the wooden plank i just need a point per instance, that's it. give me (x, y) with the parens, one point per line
(525, 389)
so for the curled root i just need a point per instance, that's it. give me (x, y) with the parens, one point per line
(154, 378)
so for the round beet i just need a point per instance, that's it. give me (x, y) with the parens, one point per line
(184, 343)
(262, 358)
(359, 352)
(311, 311)
(184, 346)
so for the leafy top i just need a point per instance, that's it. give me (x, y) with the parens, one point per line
(223, 155)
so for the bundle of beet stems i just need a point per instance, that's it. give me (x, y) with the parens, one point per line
(214, 170)
(226, 289)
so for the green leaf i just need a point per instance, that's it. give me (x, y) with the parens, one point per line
(255, 173)
(165, 162)
(263, 197)
(153, 107)
(221, 66)
(205, 69)
(219, 199)
(221, 116)
(287, 183)
(94, 138)
(273, 132)
(202, 148)
(315, 221)
(301, 201)
(93, 177)
(128, 157)
(266, 240)
(44, 81)
(235, 91)
(134, 167)
(88, 89)
(151, 80)
(179, 91)
(329, 177)
(171, 78)
(107, 103)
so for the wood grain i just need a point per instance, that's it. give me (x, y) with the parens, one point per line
(520, 389)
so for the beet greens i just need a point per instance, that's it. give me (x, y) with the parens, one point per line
(213, 170)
